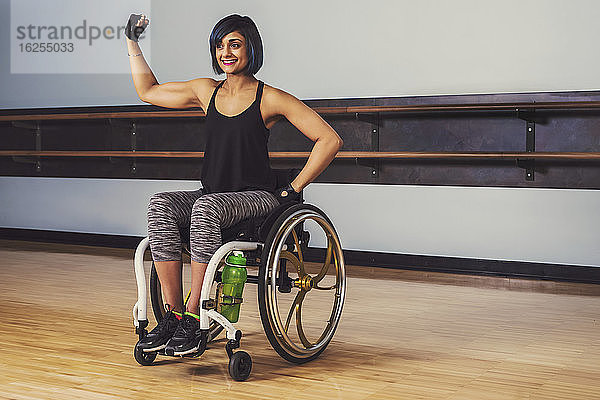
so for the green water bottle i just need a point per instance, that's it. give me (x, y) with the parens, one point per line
(233, 278)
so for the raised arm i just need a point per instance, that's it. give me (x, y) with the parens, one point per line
(171, 94)
(327, 141)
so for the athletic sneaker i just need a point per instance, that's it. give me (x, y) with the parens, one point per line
(187, 338)
(158, 337)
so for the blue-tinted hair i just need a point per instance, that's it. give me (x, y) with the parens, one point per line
(248, 29)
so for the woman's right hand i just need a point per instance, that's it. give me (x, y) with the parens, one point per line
(170, 94)
(136, 25)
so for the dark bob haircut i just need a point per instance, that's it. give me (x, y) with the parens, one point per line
(248, 29)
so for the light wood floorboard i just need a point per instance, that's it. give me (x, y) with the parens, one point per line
(66, 333)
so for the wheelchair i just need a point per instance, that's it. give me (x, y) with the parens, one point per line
(294, 280)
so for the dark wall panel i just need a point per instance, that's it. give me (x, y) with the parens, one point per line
(562, 131)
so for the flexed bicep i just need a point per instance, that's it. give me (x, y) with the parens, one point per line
(172, 95)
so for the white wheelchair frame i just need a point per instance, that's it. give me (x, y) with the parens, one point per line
(272, 274)
(140, 313)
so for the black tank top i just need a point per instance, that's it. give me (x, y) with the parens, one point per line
(236, 157)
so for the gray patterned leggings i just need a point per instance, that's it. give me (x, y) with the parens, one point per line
(204, 215)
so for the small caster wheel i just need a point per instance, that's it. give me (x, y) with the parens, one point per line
(144, 358)
(240, 365)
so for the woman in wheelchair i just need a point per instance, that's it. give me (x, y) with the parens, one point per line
(238, 182)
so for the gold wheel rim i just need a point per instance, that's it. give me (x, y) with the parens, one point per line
(304, 284)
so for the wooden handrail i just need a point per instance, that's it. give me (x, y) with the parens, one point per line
(103, 115)
(574, 105)
(303, 155)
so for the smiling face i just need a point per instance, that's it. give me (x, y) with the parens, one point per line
(232, 53)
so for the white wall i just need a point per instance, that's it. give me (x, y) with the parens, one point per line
(339, 48)
(109, 206)
(329, 49)
(535, 225)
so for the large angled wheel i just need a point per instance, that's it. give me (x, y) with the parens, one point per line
(158, 305)
(301, 301)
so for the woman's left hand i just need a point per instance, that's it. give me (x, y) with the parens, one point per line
(287, 194)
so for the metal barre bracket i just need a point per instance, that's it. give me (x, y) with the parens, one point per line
(132, 134)
(528, 115)
(131, 127)
(37, 134)
(374, 119)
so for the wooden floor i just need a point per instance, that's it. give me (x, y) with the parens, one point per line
(66, 333)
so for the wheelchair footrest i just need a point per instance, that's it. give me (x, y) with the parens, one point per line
(195, 351)
(140, 330)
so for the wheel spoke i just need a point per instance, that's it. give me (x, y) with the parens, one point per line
(327, 263)
(294, 260)
(300, 259)
(324, 333)
(317, 279)
(297, 300)
(301, 334)
(326, 287)
(297, 244)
